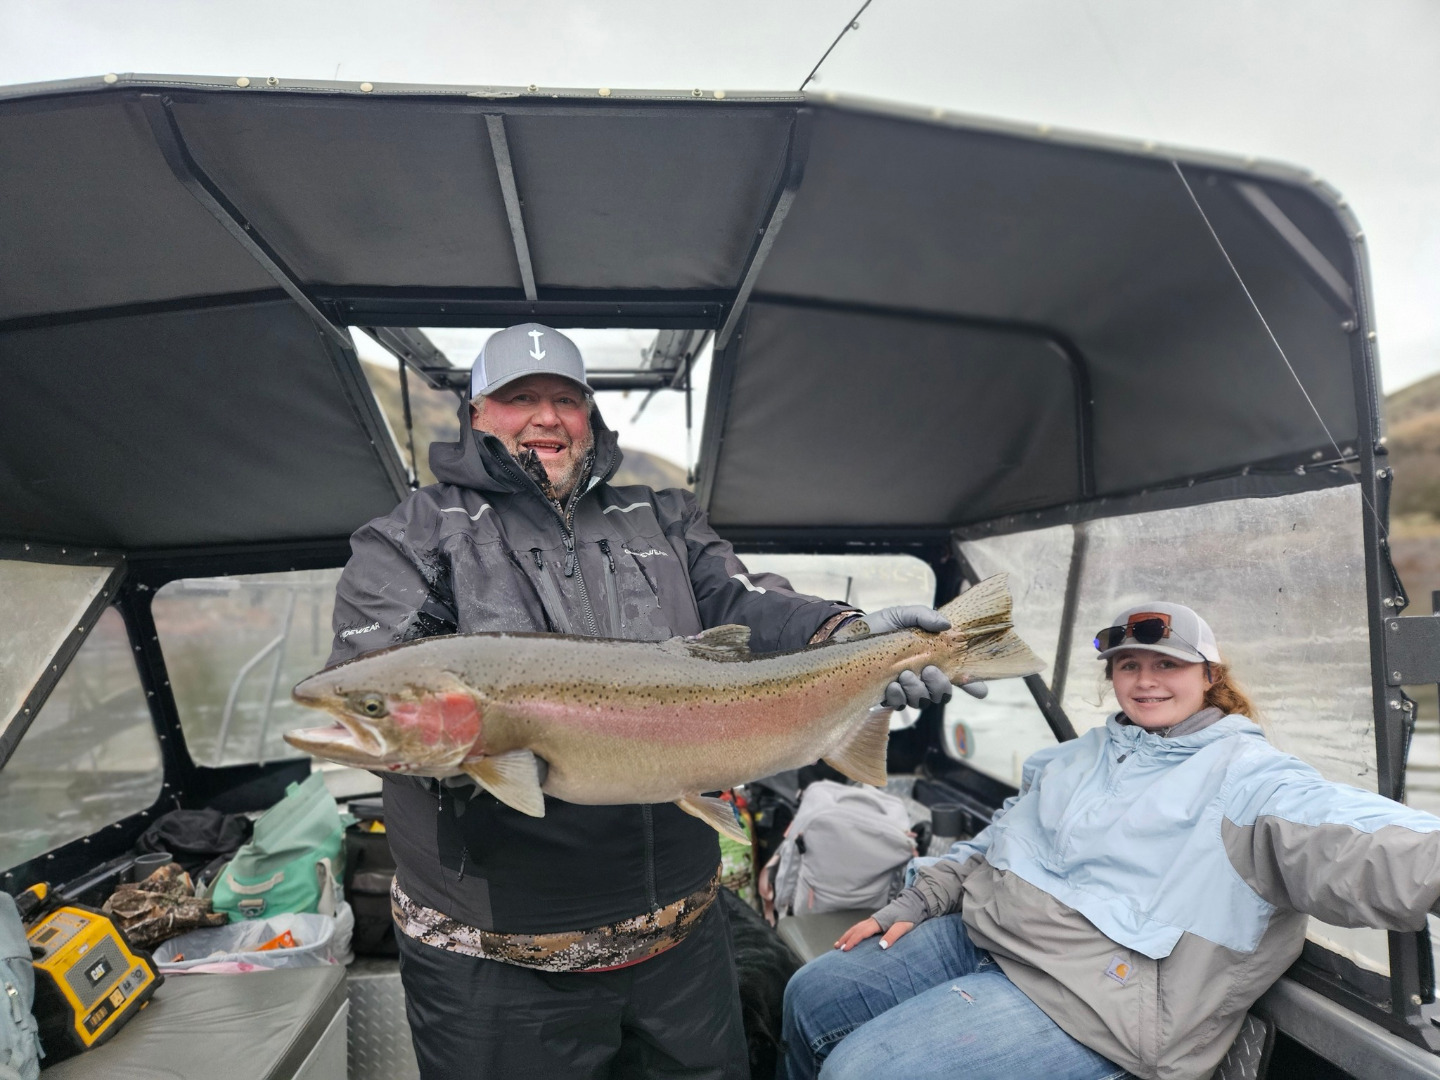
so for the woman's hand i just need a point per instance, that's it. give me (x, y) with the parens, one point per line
(869, 928)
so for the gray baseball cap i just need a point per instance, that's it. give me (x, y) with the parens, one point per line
(1188, 637)
(526, 349)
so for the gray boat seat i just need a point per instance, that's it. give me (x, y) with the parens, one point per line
(809, 936)
(287, 1024)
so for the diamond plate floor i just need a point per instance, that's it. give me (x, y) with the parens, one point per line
(1249, 1055)
(379, 1045)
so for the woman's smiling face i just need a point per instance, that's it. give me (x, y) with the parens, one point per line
(1155, 690)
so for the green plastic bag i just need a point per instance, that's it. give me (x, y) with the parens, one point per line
(291, 861)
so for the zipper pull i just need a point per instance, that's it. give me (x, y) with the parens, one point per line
(539, 562)
(605, 550)
(569, 556)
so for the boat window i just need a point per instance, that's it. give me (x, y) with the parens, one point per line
(43, 603)
(234, 647)
(1282, 583)
(91, 757)
(659, 449)
(997, 734)
(867, 581)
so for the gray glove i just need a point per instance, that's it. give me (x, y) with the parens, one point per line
(930, 686)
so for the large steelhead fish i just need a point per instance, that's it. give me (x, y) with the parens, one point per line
(593, 720)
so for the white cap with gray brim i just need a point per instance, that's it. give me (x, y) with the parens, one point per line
(526, 349)
(1190, 638)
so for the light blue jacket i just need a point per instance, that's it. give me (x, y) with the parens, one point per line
(1183, 866)
(1130, 829)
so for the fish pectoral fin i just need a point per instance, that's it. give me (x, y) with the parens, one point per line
(512, 777)
(862, 756)
(728, 642)
(717, 813)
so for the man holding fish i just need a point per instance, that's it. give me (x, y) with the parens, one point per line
(542, 935)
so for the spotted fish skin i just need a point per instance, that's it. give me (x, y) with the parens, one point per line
(615, 722)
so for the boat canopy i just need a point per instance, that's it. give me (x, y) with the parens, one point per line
(931, 321)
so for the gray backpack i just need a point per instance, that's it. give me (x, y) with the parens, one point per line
(19, 1042)
(845, 850)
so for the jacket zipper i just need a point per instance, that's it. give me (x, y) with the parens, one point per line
(549, 594)
(651, 896)
(612, 596)
(572, 564)
(572, 569)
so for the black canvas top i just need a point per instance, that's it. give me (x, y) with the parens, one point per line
(956, 320)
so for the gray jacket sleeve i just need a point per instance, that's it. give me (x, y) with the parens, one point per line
(1347, 856)
(388, 592)
(779, 618)
(937, 888)
(939, 884)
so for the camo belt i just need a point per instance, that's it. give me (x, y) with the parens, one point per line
(604, 947)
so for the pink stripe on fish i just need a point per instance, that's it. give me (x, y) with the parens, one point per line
(691, 722)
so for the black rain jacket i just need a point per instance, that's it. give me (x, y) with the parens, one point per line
(484, 549)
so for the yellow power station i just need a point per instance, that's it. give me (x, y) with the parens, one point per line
(88, 982)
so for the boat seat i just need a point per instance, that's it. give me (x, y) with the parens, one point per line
(809, 936)
(287, 1024)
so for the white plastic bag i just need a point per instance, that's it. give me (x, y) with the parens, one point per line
(237, 944)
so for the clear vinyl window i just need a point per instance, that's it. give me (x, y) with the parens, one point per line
(997, 734)
(90, 758)
(43, 604)
(867, 581)
(234, 647)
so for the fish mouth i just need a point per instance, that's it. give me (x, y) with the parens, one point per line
(346, 734)
(342, 739)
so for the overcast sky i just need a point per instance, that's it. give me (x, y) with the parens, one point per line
(1347, 88)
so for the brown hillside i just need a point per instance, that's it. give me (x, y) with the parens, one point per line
(1418, 399)
(1413, 416)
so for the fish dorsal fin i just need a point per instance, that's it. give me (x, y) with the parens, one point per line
(862, 756)
(728, 642)
(983, 608)
(717, 813)
(512, 777)
(856, 628)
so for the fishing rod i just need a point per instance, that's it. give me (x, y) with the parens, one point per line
(853, 24)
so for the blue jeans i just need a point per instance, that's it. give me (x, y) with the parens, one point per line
(933, 1005)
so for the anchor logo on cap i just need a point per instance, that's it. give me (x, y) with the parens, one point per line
(535, 350)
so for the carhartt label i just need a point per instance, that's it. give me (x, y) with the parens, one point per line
(1119, 970)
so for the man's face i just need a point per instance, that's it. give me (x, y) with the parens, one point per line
(546, 415)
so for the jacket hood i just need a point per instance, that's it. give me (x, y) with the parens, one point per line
(1134, 736)
(480, 461)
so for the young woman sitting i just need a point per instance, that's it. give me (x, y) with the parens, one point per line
(1121, 913)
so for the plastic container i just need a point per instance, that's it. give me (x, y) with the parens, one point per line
(946, 821)
(240, 942)
(147, 864)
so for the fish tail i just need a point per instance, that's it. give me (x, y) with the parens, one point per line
(983, 636)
